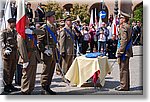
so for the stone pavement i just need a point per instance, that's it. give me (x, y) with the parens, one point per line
(111, 81)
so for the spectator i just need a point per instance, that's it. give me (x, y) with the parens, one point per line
(133, 31)
(13, 10)
(86, 38)
(112, 47)
(110, 20)
(39, 13)
(92, 33)
(101, 41)
(106, 31)
(110, 31)
(138, 32)
(29, 11)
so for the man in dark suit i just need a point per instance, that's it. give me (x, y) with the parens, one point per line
(29, 11)
(39, 13)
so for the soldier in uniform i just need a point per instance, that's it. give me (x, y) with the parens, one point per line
(124, 52)
(47, 46)
(29, 56)
(67, 44)
(9, 54)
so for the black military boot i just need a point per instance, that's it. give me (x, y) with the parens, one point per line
(13, 88)
(48, 91)
(7, 88)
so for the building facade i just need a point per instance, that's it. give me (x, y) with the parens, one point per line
(127, 6)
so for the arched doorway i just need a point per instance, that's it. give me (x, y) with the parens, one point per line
(99, 8)
(126, 6)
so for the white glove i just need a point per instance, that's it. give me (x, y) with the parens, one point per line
(48, 52)
(8, 51)
(25, 65)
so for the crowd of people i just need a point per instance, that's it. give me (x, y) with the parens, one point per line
(56, 42)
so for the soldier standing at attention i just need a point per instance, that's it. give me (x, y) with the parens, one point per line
(29, 56)
(47, 45)
(9, 54)
(67, 44)
(124, 52)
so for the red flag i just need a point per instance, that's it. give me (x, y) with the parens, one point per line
(21, 18)
(96, 22)
(114, 26)
(96, 76)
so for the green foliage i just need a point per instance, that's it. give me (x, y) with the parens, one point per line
(53, 6)
(80, 10)
(138, 13)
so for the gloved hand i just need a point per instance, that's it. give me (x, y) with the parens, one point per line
(7, 51)
(25, 65)
(48, 52)
(63, 54)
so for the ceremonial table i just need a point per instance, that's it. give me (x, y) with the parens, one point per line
(84, 68)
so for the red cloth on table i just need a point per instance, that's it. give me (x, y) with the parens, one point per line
(95, 76)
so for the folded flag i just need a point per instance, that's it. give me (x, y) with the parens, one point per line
(94, 55)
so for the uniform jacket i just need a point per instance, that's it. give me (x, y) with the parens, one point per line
(8, 38)
(66, 42)
(125, 35)
(46, 39)
(28, 50)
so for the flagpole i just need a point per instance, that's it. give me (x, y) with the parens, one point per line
(6, 16)
(5, 13)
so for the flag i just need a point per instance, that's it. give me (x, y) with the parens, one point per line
(96, 22)
(114, 30)
(21, 18)
(100, 21)
(7, 15)
(91, 18)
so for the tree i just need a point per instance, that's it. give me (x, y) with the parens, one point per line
(81, 11)
(53, 6)
(138, 13)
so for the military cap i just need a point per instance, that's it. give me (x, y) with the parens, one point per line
(124, 15)
(49, 13)
(11, 20)
(67, 18)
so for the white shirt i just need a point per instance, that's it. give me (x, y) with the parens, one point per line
(102, 38)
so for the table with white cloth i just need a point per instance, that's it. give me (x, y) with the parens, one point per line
(84, 68)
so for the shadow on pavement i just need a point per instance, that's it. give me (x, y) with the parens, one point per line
(111, 84)
(136, 88)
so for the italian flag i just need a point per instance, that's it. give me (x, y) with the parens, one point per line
(91, 19)
(114, 26)
(96, 22)
(21, 18)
